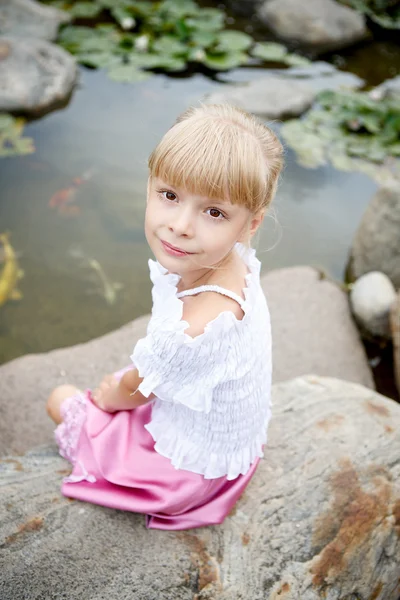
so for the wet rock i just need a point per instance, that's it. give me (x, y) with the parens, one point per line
(285, 92)
(26, 18)
(312, 328)
(371, 299)
(376, 246)
(395, 331)
(270, 98)
(319, 520)
(35, 76)
(318, 24)
(320, 75)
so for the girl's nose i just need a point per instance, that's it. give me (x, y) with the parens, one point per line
(182, 223)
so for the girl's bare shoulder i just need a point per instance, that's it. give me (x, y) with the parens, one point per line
(203, 308)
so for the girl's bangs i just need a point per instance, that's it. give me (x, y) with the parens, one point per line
(215, 164)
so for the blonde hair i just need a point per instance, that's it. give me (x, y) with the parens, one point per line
(222, 152)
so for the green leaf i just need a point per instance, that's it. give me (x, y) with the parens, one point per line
(169, 45)
(224, 62)
(127, 73)
(98, 60)
(203, 38)
(295, 60)
(233, 41)
(85, 10)
(270, 51)
(11, 141)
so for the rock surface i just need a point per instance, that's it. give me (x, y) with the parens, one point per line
(26, 18)
(270, 97)
(371, 298)
(285, 92)
(320, 24)
(320, 519)
(313, 332)
(395, 329)
(376, 245)
(35, 76)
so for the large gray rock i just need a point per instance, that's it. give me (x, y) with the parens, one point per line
(320, 519)
(313, 332)
(285, 92)
(270, 97)
(26, 18)
(376, 246)
(312, 327)
(35, 76)
(319, 24)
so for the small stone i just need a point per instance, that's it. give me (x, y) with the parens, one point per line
(371, 298)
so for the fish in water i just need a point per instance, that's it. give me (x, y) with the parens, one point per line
(109, 288)
(10, 273)
(64, 200)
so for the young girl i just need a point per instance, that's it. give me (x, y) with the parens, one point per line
(178, 434)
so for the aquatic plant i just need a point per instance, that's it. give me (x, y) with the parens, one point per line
(130, 38)
(384, 12)
(353, 130)
(11, 141)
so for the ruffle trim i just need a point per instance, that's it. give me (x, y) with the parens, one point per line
(183, 454)
(165, 295)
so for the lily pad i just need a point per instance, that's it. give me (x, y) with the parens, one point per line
(233, 41)
(85, 10)
(270, 51)
(11, 141)
(169, 45)
(224, 62)
(295, 60)
(127, 73)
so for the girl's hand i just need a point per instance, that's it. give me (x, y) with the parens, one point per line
(106, 395)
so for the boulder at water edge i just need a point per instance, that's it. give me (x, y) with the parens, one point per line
(35, 76)
(319, 521)
(29, 19)
(319, 24)
(376, 245)
(312, 332)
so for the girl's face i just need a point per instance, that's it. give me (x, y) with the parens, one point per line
(189, 233)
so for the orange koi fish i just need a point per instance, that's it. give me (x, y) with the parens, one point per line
(64, 200)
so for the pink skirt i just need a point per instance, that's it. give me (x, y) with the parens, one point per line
(115, 465)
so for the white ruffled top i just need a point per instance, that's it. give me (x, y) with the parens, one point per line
(213, 398)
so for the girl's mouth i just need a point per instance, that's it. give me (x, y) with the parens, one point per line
(172, 250)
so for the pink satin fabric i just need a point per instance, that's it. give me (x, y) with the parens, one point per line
(117, 454)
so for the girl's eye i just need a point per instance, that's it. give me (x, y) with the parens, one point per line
(215, 213)
(170, 196)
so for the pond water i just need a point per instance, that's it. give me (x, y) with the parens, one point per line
(75, 244)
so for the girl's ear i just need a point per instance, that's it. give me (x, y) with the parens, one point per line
(256, 221)
(251, 227)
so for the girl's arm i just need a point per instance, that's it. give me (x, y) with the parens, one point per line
(113, 395)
